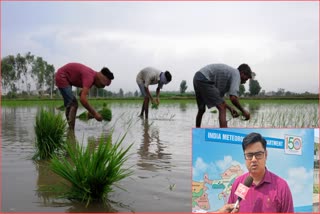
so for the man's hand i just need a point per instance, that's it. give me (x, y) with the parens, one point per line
(90, 116)
(246, 115)
(157, 101)
(234, 113)
(228, 208)
(98, 116)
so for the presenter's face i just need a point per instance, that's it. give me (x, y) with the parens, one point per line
(256, 157)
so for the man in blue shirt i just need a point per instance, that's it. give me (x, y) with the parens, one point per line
(212, 82)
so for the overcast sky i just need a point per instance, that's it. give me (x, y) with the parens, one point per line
(279, 40)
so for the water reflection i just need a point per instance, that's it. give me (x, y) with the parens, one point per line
(93, 207)
(152, 149)
(94, 141)
(161, 150)
(47, 182)
(253, 108)
(183, 106)
(16, 124)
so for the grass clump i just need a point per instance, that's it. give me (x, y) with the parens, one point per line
(92, 173)
(50, 131)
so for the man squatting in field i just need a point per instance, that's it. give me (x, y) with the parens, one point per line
(151, 76)
(212, 82)
(81, 76)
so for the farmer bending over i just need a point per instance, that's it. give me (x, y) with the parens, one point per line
(212, 82)
(81, 76)
(151, 76)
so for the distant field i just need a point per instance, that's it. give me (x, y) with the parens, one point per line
(251, 101)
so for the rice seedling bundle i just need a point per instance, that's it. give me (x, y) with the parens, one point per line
(50, 130)
(92, 173)
(105, 113)
(154, 106)
(61, 108)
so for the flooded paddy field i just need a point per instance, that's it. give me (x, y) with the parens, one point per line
(160, 156)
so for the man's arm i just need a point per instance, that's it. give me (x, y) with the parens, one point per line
(236, 103)
(148, 93)
(234, 112)
(157, 94)
(84, 101)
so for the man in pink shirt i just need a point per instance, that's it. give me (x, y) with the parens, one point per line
(268, 192)
(81, 76)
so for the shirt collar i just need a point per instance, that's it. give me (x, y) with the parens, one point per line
(266, 178)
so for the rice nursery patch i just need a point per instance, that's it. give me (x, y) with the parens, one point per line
(297, 116)
(90, 173)
(50, 131)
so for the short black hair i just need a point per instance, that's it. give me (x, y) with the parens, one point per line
(168, 76)
(105, 71)
(245, 69)
(253, 138)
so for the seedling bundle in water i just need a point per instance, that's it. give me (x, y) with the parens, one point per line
(105, 113)
(50, 132)
(89, 173)
(155, 106)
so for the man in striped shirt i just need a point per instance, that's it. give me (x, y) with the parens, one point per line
(212, 82)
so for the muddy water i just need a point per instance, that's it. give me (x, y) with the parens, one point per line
(160, 159)
(160, 156)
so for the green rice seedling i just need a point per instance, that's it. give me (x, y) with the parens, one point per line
(154, 106)
(83, 116)
(214, 111)
(61, 108)
(50, 131)
(91, 174)
(105, 113)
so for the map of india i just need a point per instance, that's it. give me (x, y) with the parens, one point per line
(200, 193)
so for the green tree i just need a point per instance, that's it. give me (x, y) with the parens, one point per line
(136, 93)
(280, 92)
(8, 74)
(121, 93)
(50, 79)
(183, 86)
(43, 73)
(25, 69)
(242, 90)
(254, 87)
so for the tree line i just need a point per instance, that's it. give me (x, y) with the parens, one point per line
(21, 73)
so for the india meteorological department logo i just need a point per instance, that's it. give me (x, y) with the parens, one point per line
(293, 145)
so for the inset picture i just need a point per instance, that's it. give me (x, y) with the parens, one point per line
(253, 170)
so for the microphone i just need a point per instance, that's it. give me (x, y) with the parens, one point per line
(242, 190)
